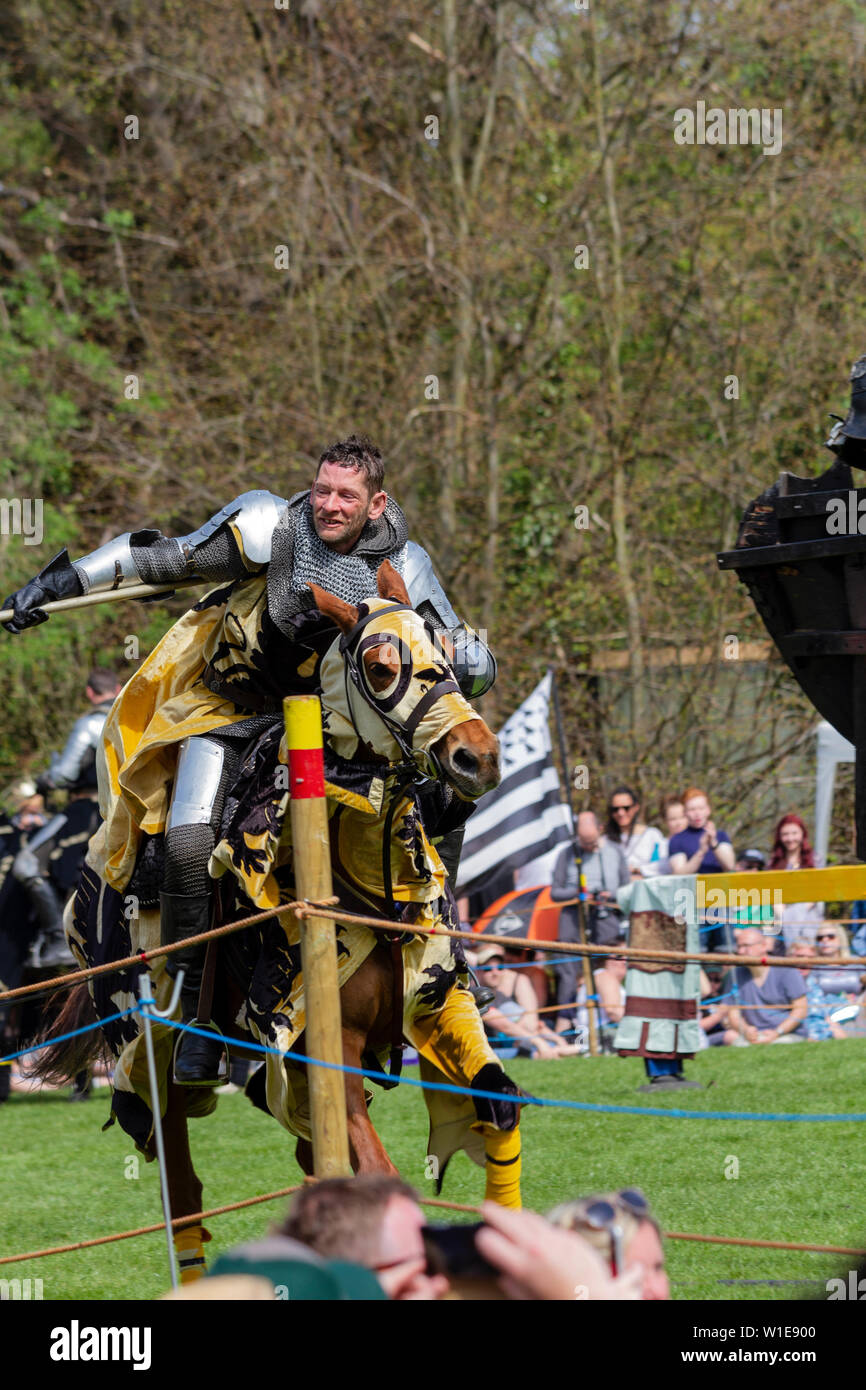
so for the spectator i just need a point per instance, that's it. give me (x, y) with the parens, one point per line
(537, 1261)
(819, 1025)
(373, 1221)
(675, 821)
(839, 982)
(610, 988)
(769, 1003)
(641, 844)
(755, 913)
(513, 1010)
(603, 871)
(620, 1222)
(702, 849)
(792, 850)
(714, 1016)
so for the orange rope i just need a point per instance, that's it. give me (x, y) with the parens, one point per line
(200, 1216)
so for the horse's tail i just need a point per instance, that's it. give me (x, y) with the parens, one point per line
(61, 1061)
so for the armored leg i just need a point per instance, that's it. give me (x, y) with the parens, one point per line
(204, 770)
(50, 949)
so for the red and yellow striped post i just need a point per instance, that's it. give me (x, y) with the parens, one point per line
(312, 865)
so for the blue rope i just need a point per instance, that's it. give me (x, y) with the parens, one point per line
(64, 1037)
(524, 1100)
(462, 1090)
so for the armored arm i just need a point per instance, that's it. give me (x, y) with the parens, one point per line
(474, 663)
(230, 545)
(80, 748)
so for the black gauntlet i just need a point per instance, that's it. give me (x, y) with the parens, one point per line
(58, 579)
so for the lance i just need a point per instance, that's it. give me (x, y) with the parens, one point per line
(61, 605)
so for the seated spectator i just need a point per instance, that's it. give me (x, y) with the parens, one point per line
(621, 1226)
(819, 1025)
(641, 844)
(371, 1220)
(702, 849)
(514, 1010)
(714, 1017)
(840, 982)
(610, 988)
(792, 850)
(769, 1001)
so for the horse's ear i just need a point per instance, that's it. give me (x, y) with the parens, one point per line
(390, 584)
(343, 614)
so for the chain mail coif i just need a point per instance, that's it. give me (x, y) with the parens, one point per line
(351, 577)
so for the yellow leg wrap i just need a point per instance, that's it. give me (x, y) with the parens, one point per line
(502, 1152)
(189, 1245)
(454, 1039)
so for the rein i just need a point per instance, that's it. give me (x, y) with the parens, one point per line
(407, 772)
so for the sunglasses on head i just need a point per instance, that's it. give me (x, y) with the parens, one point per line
(601, 1215)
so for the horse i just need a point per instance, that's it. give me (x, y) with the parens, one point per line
(393, 718)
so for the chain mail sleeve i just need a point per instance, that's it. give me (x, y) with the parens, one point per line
(233, 543)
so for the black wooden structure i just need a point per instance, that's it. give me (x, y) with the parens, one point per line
(802, 558)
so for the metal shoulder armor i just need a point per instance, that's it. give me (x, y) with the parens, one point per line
(211, 551)
(83, 739)
(473, 662)
(254, 514)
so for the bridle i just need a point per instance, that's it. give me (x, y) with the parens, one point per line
(353, 645)
(407, 772)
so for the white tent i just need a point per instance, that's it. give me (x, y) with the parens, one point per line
(832, 749)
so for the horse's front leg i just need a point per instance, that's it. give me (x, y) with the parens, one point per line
(366, 1150)
(184, 1187)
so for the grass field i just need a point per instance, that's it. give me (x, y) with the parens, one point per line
(62, 1179)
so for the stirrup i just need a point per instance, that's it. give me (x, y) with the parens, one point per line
(224, 1067)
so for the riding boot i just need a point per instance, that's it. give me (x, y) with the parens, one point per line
(197, 1059)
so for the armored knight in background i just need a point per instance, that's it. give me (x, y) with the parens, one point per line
(232, 657)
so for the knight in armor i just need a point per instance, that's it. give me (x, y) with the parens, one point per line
(848, 437)
(233, 657)
(49, 862)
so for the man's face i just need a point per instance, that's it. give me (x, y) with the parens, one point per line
(750, 943)
(587, 830)
(342, 505)
(697, 812)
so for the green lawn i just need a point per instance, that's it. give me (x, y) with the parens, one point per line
(62, 1179)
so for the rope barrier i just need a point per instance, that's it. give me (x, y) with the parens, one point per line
(200, 1216)
(74, 977)
(310, 908)
(446, 1087)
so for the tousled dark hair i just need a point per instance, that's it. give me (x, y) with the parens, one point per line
(358, 451)
(341, 1218)
(102, 681)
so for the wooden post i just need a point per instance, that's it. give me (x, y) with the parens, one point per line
(586, 968)
(312, 865)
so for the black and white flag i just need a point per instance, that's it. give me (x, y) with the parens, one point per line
(523, 818)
